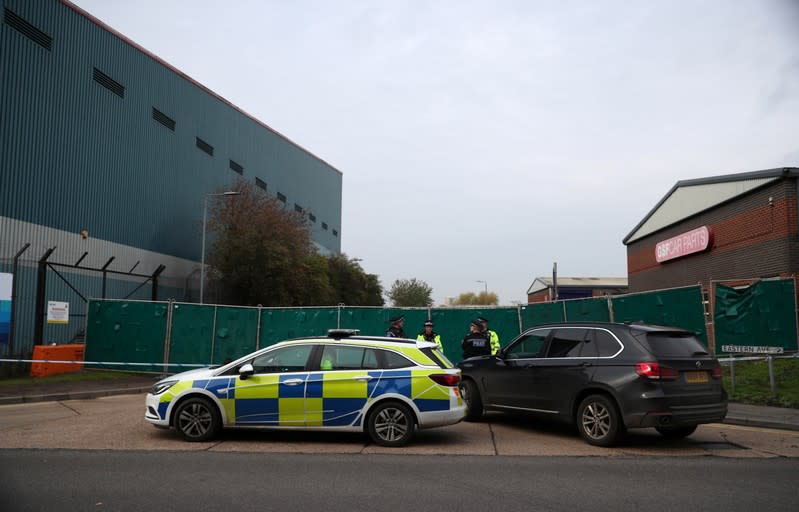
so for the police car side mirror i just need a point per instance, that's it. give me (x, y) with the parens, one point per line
(245, 371)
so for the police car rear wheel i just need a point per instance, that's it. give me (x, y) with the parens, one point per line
(196, 419)
(391, 424)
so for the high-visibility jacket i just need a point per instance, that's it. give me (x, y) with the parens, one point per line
(433, 337)
(492, 336)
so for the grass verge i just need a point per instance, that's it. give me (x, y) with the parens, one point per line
(752, 383)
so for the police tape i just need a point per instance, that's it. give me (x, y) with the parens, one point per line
(103, 363)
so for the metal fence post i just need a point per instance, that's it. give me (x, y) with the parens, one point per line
(795, 309)
(565, 316)
(12, 326)
(732, 375)
(611, 314)
(771, 377)
(338, 320)
(258, 330)
(41, 292)
(168, 334)
(519, 316)
(213, 336)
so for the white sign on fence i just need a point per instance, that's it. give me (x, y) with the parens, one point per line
(57, 312)
(751, 349)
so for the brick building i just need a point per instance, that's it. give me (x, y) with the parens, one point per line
(737, 226)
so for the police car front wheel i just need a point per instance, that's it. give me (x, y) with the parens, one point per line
(197, 419)
(391, 424)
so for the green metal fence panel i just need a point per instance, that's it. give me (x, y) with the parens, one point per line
(375, 321)
(278, 324)
(122, 331)
(192, 334)
(541, 313)
(587, 310)
(235, 333)
(761, 315)
(453, 325)
(676, 307)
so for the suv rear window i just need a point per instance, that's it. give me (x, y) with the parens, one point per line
(673, 344)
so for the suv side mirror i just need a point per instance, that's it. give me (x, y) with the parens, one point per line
(245, 371)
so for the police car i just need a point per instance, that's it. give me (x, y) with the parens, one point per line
(387, 387)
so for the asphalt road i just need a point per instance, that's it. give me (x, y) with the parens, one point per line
(101, 455)
(198, 481)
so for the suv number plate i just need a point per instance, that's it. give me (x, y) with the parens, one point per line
(696, 377)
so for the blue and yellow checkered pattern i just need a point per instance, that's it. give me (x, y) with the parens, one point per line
(315, 399)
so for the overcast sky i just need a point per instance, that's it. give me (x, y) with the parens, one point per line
(486, 140)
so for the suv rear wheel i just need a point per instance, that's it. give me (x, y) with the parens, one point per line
(474, 402)
(676, 432)
(598, 420)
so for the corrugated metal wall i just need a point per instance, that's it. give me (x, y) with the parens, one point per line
(76, 155)
(101, 162)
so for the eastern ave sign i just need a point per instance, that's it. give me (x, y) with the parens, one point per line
(696, 240)
(747, 349)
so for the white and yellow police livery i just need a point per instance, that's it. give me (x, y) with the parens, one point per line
(384, 386)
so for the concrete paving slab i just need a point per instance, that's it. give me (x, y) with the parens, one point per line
(762, 442)
(34, 414)
(460, 439)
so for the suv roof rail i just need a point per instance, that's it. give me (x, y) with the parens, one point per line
(342, 333)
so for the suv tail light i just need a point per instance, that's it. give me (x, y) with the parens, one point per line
(716, 373)
(446, 379)
(654, 371)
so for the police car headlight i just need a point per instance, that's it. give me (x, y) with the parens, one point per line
(160, 387)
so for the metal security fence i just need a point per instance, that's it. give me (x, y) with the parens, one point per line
(171, 332)
(755, 317)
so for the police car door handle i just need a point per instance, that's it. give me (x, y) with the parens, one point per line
(292, 382)
(364, 378)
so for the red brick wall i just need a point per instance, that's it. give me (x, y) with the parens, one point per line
(751, 239)
(542, 296)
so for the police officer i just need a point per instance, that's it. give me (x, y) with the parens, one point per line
(491, 335)
(395, 330)
(476, 342)
(427, 334)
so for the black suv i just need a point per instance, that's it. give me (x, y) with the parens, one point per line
(603, 377)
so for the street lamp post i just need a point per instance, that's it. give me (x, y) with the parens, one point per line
(205, 217)
(485, 284)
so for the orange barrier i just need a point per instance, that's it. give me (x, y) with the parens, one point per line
(72, 352)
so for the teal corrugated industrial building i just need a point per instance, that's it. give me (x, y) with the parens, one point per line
(98, 134)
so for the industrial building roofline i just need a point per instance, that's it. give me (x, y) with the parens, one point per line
(779, 172)
(542, 283)
(183, 75)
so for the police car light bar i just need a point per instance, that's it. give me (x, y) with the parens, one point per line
(342, 333)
